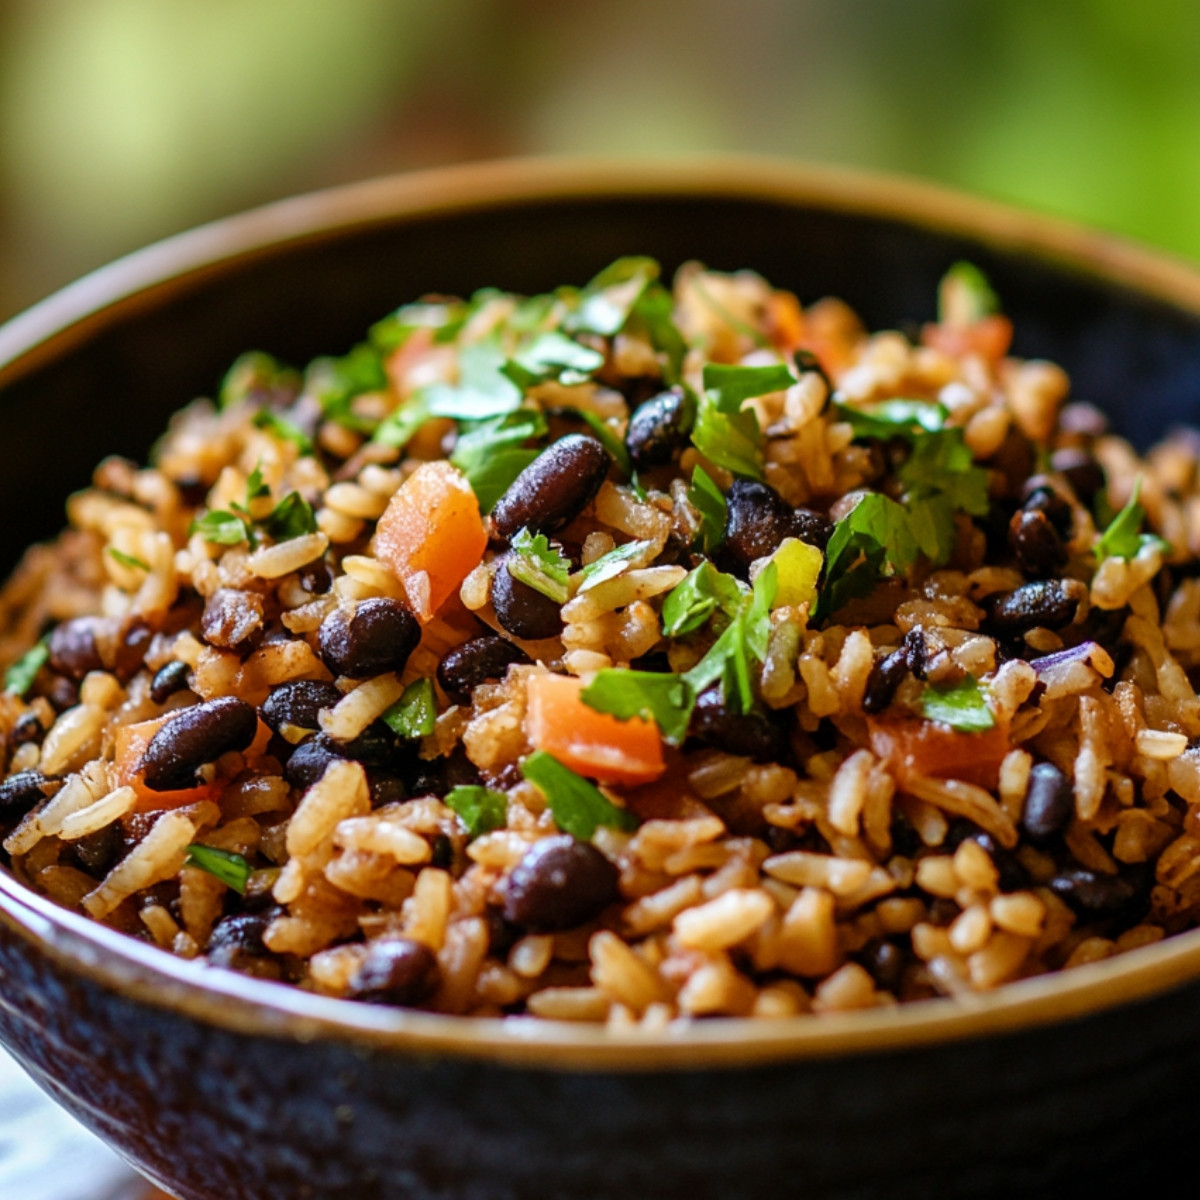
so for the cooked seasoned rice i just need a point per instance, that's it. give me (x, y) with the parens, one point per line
(627, 655)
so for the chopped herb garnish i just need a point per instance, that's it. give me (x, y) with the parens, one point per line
(221, 527)
(256, 487)
(699, 595)
(610, 441)
(893, 418)
(492, 453)
(19, 676)
(610, 565)
(543, 567)
(335, 382)
(709, 501)
(1124, 538)
(552, 355)
(606, 303)
(445, 318)
(727, 386)
(735, 653)
(965, 295)
(578, 806)
(257, 376)
(283, 428)
(482, 391)
(480, 809)
(655, 309)
(127, 560)
(292, 517)
(661, 697)
(724, 432)
(231, 869)
(399, 426)
(961, 705)
(415, 713)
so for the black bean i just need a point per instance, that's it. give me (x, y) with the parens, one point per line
(379, 636)
(73, 648)
(1036, 543)
(20, 793)
(316, 579)
(308, 761)
(398, 971)
(465, 667)
(386, 788)
(658, 429)
(28, 728)
(1013, 876)
(168, 680)
(97, 852)
(758, 519)
(1051, 603)
(884, 961)
(129, 651)
(1091, 894)
(298, 703)
(197, 735)
(752, 734)
(1049, 802)
(554, 489)
(1041, 496)
(886, 676)
(193, 491)
(521, 610)
(559, 883)
(237, 938)
(374, 747)
(62, 692)
(232, 618)
(916, 652)
(441, 852)
(1081, 471)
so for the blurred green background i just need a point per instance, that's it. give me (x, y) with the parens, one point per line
(122, 121)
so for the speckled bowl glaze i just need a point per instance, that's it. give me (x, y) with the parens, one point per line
(222, 1087)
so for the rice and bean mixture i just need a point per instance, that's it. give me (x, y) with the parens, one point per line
(630, 653)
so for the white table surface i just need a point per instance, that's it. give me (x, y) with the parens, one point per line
(47, 1155)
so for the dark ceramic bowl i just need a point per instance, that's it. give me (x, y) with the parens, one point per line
(223, 1087)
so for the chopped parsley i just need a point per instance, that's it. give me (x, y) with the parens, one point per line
(543, 567)
(661, 697)
(415, 713)
(221, 527)
(1123, 537)
(492, 453)
(19, 677)
(701, 593)
(292, 517)
(399, 426)
(578, 806)
(283, 428)
(965, 295)
(709, 501)
(127, 560)
(962, 706)
(445, 318)
(259, 377)
(610, 565)
(893, 418)
(606, 303)
(483, 389)
(552, 355)
(480, 809)
(230, 868)
(724, 432)
(336, 382)
(655, 312)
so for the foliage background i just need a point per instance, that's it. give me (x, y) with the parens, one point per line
(122, 121)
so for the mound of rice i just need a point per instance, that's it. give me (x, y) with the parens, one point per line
(626, 654)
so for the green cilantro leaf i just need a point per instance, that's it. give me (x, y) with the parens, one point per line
(893, 418)
(283, 428)
(221, 527)
(961, 705)
(661, 697)
(610, 565)
(257, 376)
(292, 517)
(480, 809)
(942, 462)
(699, 595)
(415, 713)
(335, 382)
(578, 806)
(655, 310)
(19, 676)
(709, 502)
(610, 441)
(483, 389)
(540, 565)
(607, 301)
(491, 454)
(732, 441)
(965, 295)
(552, 355)
(399, 426)
(231, 869)
(1123, 537)
(256, 487)
(127, 560)
(728, 386)
(446, 318)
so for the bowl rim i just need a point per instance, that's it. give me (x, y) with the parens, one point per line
(241, 1003)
